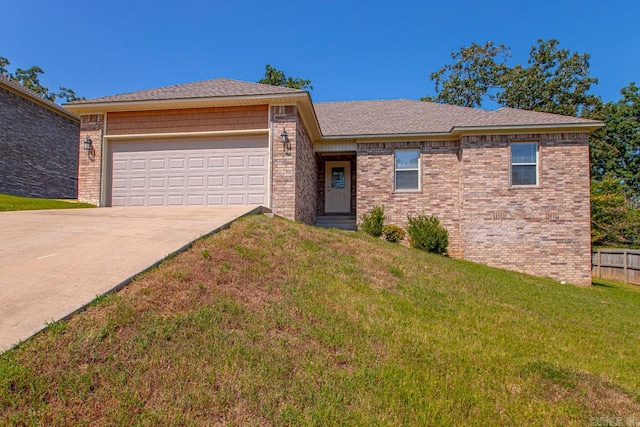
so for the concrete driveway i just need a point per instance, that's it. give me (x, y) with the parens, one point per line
(54, 262)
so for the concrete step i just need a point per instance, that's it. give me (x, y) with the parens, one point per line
(344, 222)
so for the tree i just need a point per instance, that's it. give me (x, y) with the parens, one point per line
(3, 66)
(615, 148)
(477, 70)
(30, 78)
(276, 77)
(615, 218)
(555, 80)
(69, 95)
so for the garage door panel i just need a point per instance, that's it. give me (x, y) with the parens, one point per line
(177, 163)
(257, 161)
(138, 165)
(257, 199)
(157, 200)
(236, 199)
(176, 182)
(236, 161)
(157, 182)
(216, 162)
(157, 164)
(205, 172)
(257, 181)
(215, 200)
(196, 182)
(235, 181)
(196, 163)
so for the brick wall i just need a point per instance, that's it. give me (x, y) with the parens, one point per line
(38, 149)
(189, 120)
(439, 193)
(306, 178)
(543, 230)
(90, 163)
(293, 174)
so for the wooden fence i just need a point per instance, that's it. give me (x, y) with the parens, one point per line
(617, 264)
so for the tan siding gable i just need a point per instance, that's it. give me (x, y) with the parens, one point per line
(188, 120)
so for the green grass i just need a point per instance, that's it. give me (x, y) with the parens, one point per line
(15, 203)
(276, 323)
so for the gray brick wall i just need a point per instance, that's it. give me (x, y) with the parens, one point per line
(38, 149)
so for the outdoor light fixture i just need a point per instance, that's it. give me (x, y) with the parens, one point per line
(87, 143)
(284, 137)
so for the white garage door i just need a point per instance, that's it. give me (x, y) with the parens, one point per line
(230, 171)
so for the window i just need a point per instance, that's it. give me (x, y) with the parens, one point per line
(524, 163)
(407, 169)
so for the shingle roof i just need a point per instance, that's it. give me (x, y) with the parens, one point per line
(4, 80)
(220, 87)
(404, 116)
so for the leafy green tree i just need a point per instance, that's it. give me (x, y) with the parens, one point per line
(476, 71)
(67, 94)
(4, 62)
(276, 77)
(556, 81)
(30, 78)
(615, 218)
(615, 148)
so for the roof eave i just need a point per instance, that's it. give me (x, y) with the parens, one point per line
(458, 131)
(556, 127)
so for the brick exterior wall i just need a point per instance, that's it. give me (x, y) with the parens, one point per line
(189, 120)
(321, 161)
(543, 230)
(38, 149)
(90, 163)
(306, 178)
(293, 167)
(439, 193)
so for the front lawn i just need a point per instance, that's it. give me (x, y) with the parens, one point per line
(15, 203)
(276, 323)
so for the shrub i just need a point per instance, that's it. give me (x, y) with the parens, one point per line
(426, 233)
(373, 222)
(393, 233)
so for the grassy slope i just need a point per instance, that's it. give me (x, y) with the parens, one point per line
(273, 322)
(15, 203)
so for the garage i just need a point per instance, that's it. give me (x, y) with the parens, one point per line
(196, 172)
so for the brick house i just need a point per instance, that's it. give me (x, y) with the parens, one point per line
(511, 186)
(38, 145)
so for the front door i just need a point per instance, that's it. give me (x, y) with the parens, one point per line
(337, 179)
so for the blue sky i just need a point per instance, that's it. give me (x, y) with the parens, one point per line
(351, 50)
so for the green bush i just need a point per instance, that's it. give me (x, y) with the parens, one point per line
(373, 222)
(426, 233)
(393, 233)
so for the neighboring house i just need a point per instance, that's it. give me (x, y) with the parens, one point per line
(511, 186)
(38, 145)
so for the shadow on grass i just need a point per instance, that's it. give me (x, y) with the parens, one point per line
(602, 284)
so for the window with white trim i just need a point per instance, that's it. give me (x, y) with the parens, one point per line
(524, 163)
(407, 170)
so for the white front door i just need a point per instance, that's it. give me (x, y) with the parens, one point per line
(337, 179)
